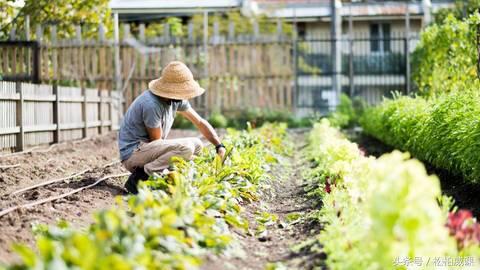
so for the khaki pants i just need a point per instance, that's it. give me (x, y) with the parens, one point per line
(155, 156)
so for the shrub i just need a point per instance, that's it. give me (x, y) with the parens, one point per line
(446, 57)
(444, 131)
(217, 120)
(347, 112)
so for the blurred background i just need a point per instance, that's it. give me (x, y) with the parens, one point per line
(292, 57)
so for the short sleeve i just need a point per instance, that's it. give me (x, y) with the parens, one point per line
(184, 105)
(151, 115)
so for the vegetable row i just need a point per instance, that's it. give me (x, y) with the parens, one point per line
(445, 130)
(377, 212)
(174, 220)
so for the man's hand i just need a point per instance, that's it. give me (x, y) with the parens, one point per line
(221, 152)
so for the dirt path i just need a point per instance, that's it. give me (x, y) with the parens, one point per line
(59, 161)
(286, 198)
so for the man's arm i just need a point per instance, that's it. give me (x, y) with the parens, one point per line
(204, 127)
(154, 133)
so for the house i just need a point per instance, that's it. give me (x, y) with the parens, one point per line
(364, 52)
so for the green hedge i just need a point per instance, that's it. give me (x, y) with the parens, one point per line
(444, 131)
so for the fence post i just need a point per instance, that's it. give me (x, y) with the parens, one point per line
(407, 49)
(166, 33)
(100, 111)
(279, 30)
(296, 93)
(84, 113)
(117, 63)
(13, 34)
(141, 32)
(110, 94)
(190, 32)
(27, 28)
(21, 133)
(216, 33)
(53, 37)
(36, 62)
(205, 51)
(350, 57)
(231, 31)
(38, 33)
(256, 30)
(56, 114)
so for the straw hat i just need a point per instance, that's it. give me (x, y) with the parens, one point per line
(176, 82)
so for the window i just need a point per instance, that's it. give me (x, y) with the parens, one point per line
(380, 37)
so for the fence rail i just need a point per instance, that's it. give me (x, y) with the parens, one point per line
(34, 114)
(20, 61)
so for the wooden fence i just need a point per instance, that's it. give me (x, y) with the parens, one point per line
(35, 114)
(237, 73)
(236, 76)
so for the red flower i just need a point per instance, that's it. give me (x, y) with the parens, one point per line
(464, 228)
(328, 187)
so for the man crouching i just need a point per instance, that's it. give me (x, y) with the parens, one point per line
(142, 141)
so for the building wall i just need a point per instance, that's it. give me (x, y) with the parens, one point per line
(319, 32)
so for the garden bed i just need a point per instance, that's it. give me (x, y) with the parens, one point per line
(55, 162)
(454, 185)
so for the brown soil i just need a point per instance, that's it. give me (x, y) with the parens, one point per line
(285, 196)
(55, 162)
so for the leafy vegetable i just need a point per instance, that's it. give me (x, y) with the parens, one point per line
(174, 220)
(378, 209)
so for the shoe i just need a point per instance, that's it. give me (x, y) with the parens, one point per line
(132, 182)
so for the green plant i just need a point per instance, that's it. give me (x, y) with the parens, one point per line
(375, 210)
(446, 57)
(461, 9)
(444, 131)
(175, 219)
(181, 122)
(347, 112)
(65, 14)
(217, 120)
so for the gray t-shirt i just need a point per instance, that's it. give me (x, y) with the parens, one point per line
(147, 110)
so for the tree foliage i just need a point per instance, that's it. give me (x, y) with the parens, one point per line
(462, 9)
(446, 58)
(242, 25)
(65, 14)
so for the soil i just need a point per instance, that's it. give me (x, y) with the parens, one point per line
(285, 196)
(53, 162)
(464, 192)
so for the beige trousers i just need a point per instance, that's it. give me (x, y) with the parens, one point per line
(155, 156)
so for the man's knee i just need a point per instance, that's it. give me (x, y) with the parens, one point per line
(184, 150)
(198, 145)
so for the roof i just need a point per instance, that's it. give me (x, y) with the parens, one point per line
(287, 9)
(165, 6)
(310, 9)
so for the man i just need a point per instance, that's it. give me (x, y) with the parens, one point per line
(144, 148)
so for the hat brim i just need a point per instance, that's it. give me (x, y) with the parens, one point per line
(175, 90)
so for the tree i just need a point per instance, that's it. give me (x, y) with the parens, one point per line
(462, 9)
(65, 14)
